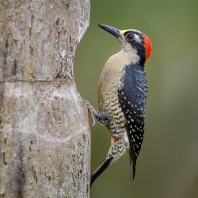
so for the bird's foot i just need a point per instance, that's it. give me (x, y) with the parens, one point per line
(92, 111)
(101, 116)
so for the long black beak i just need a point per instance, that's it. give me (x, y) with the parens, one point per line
(111, 30)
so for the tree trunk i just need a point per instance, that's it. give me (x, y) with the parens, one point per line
(44, 129)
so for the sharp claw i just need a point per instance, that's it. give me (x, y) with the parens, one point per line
(93, 119)
(91, 112)
(86, 102)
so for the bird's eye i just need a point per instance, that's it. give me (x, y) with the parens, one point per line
(128, 36)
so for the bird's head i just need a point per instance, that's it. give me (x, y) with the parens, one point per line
(132, 41)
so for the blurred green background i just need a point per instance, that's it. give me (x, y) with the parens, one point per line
(167, 166)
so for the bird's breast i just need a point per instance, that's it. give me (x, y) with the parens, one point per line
(109, 83)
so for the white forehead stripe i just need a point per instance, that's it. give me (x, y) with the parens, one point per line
(123, 31)
(136, 31)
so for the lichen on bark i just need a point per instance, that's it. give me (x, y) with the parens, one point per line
(44, 129)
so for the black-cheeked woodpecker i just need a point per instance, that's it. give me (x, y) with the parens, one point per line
(122, 94)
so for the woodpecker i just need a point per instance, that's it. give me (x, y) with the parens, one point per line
(122, 94)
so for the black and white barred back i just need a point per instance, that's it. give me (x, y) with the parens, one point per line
(132, 98)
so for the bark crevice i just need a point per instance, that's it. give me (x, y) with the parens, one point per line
(44, 128)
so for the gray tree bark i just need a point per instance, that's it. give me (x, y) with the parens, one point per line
(44, 129)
